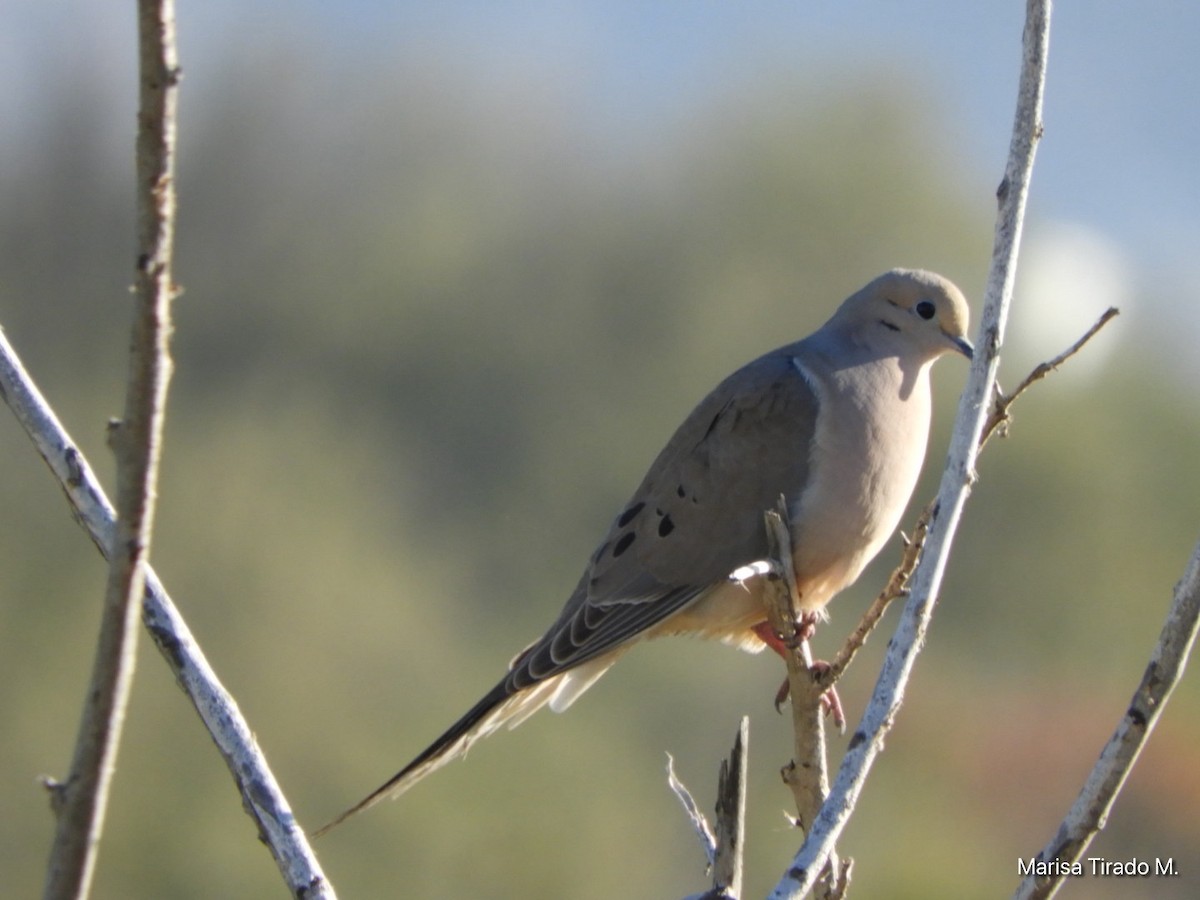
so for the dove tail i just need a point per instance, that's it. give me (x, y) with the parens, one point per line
(483, 718)
(502, 705)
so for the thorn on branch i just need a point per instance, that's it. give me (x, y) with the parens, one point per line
(57, 792)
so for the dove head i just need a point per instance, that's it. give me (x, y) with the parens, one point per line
(910, 312)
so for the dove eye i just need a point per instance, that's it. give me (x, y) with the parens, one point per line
(926, 310)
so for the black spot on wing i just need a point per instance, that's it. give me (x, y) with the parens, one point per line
(624, 543)
(630, 514)
(666, 526)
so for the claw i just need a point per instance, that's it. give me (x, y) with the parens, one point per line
(781, 695)
(830, 701)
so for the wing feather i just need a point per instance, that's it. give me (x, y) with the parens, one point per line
(695, 518)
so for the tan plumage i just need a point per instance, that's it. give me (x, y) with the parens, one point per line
(837, 423)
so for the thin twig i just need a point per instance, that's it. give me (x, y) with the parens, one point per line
(261, 795)
(877, 720)
(1089, 813)
(81, 801)
(704, 831)
(896, 587)
(998, 418)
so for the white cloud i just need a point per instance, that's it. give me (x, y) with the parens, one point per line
(1068, 275)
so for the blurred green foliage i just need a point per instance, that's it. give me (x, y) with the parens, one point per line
(432, 334)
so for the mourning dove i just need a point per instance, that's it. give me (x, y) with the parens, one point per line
(836, 423)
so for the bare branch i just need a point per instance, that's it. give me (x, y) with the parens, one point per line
(1091, 808)
(80, 803)
(731, 816)
(261, 795)
(807, 774)
(956, 479)
(723, 850)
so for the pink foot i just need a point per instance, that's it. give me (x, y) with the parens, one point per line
(830, 701)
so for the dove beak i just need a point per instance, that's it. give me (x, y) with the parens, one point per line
(962, 345)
